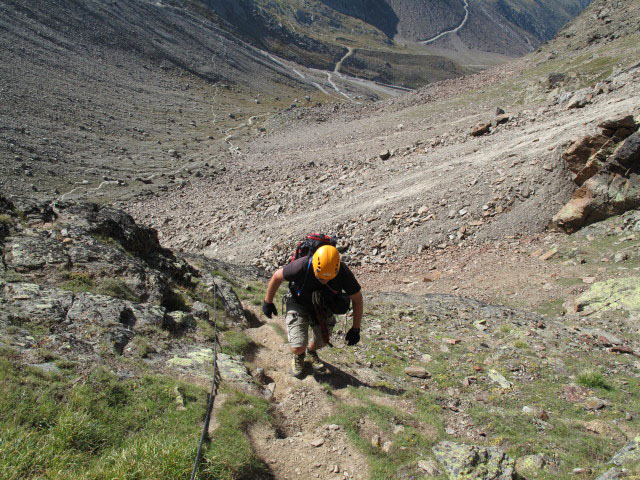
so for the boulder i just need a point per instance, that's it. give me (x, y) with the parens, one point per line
(580, 98)
(580, 151)
(28, 302)
(500, 119)
(613, 294)
(417, 372)
(626, 121)
(232, 304)
(26, 253)
(554, 80)
(628, 454)
(480, 129)
(612, 474)
(470, 462)
(627, 157)
(573, 215)
(177, 321)
(600, 197)
(530, 466)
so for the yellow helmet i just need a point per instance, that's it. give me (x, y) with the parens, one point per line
(326, 262)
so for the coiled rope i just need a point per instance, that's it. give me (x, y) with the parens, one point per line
(215, 380)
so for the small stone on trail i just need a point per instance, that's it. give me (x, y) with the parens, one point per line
(417, 372)
(429, 467)
(398, 429)
(594, 403)
(468, 381)
(549, 254)
(317, 442)
(432, 276)
(499, 379)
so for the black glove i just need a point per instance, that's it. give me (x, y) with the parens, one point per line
(269, 309)
(353, 336)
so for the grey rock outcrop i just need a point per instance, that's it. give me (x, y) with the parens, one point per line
(470, 462)
(88, 282)
(628, 454)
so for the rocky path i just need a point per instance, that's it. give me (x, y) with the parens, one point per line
(454, 30)
(304, 446)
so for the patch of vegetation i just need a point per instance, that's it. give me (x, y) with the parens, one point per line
(107, 428)
(182, 297)
(6, 220)
(230, 455)
(593, 379)
(551, 308)
(557, 433)
(78, 282)
(103, 428)
(236, 343)
(569, 282)
(108, 241)
(280, 331)
(520, 344)
(142, 346)
(408, 445)
(254, 292)
(115, 287)
(11, 276)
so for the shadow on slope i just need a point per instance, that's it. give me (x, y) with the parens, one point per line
(375, 12)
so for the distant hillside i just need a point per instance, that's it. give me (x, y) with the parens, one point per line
(314, 32)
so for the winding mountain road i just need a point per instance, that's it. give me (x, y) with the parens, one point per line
(464, 20)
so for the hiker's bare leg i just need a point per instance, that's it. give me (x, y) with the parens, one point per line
(298, 350)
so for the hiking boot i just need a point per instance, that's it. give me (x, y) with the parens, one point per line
(315, 361)
(297, 365)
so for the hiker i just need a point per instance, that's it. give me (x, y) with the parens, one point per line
(316, 286)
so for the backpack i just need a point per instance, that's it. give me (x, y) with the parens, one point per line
(311, 243)
(332, 300)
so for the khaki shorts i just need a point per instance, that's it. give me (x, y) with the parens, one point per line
(298, 321)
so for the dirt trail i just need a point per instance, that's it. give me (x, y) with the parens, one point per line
(304, 446)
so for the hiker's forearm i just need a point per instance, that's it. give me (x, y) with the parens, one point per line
(274, 284)
(358, 308)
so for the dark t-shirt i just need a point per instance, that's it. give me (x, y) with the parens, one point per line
(303, 282)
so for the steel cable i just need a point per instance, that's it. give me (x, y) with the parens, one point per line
(214, 381)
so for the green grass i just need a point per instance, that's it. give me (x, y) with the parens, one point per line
(6, 220)
(551, 308)
(593, 379)
(182, 297)
(280, 331)
(230, 455)
(105, 428)
(78, 282)
(236, 343)
(562, 435)
(254, 293)
(115, 287)
(99, 429)
(408, 446)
